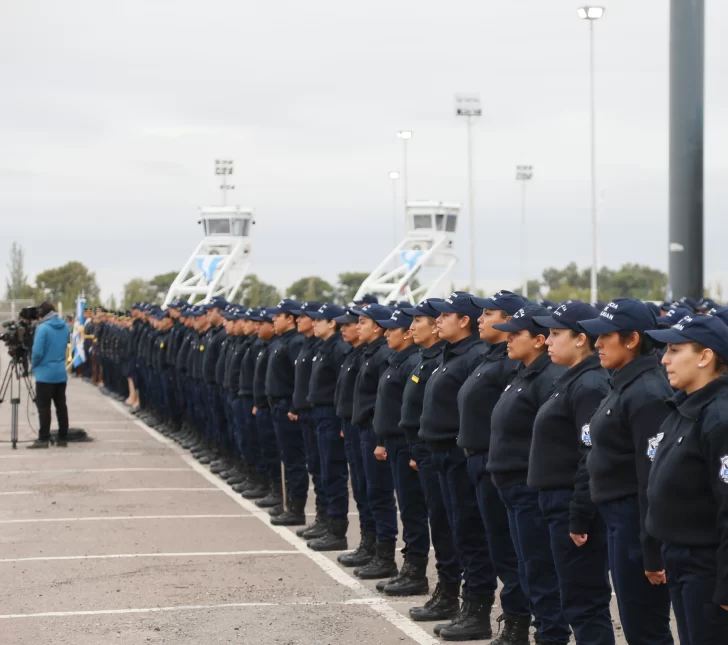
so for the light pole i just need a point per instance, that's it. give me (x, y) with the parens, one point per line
(591, 14)
(394, 176)
(224, 167)
(405, 135)
(523, 174)
(468, 105)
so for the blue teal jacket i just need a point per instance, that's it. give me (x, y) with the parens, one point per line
(49, 351)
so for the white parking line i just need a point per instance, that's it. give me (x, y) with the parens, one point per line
(54, 454)
(43, 520)
(117, 556)
(18, 492)
(371, 602)
(207, 489)
(94, 470)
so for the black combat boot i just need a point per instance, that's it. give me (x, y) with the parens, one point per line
(260, 490)
(274, 498)
(334, 539)
(444, 603)
(275, 511)
(362, 555)
(383, 583)
(515, 631)
(295, 515)
(542, 641)
(317, 528)
(382, 564)
(474, 621)
(412, 578)
(38, 443)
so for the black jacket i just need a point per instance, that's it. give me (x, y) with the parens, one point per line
(440, 420)
(325, 370)
(414, 390)
(221, 363)
(236, 352)
(184, 349)
(194, 357)
(513, 418)
(260, 396)
(390, 391)
(281, 377)
(556, 445)
(480, 393)
(346, 383)
(304, 365)
(688, 484)
(247, 369)
(624, 433)
(374, 363)
(210, 350)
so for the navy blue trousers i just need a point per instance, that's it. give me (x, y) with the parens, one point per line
(252, 439)
(270, 453)
(439, 511)
(530, 534)
(470, 537)
(691, 578)
(352, 447)
(293, 451)
(380, 488)
(583, 571)
(236, 426)
(644, 609)
(498, 531)
(313, 458)
(334, 469)
(410, 497)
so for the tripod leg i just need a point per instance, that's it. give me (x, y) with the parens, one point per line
(14, 405)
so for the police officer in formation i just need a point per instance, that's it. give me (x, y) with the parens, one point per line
(560, 449)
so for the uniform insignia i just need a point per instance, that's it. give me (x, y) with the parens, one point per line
(723, 474)
(415, 378)
(202, 348)
(508, 387)
(161, 345)
(586, 434)
(652, 444)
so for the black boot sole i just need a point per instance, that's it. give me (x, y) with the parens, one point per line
(294, 521)
(358, 562)
(339, 545)
(431, 616)
(388, 572)
(467, 636)
(421, 589)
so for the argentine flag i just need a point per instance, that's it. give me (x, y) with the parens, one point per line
(79, 356)
(207, 265)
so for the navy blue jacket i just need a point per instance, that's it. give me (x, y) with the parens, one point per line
(624, 433)
(247, 369)
(210, 350)
(263, 347)
(281, 377)
(346, 383)
(414, 390)
(374, 363)
(688, 485)
(327, 364)
(388, 408)
(304, 365)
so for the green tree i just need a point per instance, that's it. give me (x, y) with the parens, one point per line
(63, 284)
(533, 288)
(136, 290)
(258, 294)
(160, 285)
(311, 288)
(16, 286)
(111, 303)
(348, 285)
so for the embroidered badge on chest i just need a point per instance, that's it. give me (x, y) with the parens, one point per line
(652, 444)
(586, 434)
(724, 469)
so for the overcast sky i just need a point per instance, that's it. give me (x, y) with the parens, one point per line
(112, 115)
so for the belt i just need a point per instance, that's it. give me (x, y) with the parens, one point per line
(473, 453)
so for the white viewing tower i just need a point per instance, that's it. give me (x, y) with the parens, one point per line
(219, 264)
(426, 255)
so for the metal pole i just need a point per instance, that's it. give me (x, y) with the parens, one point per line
(405, 187)
(394, 209)
(595, 241)
(471, 206)
(687, 71)
(524, 278)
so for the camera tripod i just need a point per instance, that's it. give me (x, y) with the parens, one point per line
(15, 375)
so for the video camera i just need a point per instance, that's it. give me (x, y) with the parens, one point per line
(18, 334)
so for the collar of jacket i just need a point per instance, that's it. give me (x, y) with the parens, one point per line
(633, 370)
(288, 334)
(396, 359)
(540, 364)
(497, 352)
(372, 348)
(591, 362)
(462, 346)
(433, 350)
(331, 340)
(691, 405)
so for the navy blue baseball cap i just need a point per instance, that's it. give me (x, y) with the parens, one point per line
(688, 303)
(458, 302)
(262, 315)
(376, 312)
(653, 307)
(285, 306)
(567, 316)
(720, 312)
(398, 319)
(346, 318)
(423, 308)
(367, 299)
(628, 314)
(327, 311)
(502, 301)
(524, 319)
(307, 308)
(195, 312)
(548, 304)
(674, 314)
(177, 304)
(218, 302)
(706, 304)
(708, 331)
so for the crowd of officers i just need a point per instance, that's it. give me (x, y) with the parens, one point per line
(563, 450)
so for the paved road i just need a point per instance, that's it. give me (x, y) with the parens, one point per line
(129, 540)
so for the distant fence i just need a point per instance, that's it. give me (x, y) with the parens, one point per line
(9, 308)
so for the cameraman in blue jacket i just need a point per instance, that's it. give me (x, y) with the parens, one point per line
(49, 366)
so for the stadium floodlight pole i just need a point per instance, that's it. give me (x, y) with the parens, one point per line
(523, 174)
(394, 176)
(405, 135)
(224, 167)
(468, 105)
(591, 14)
